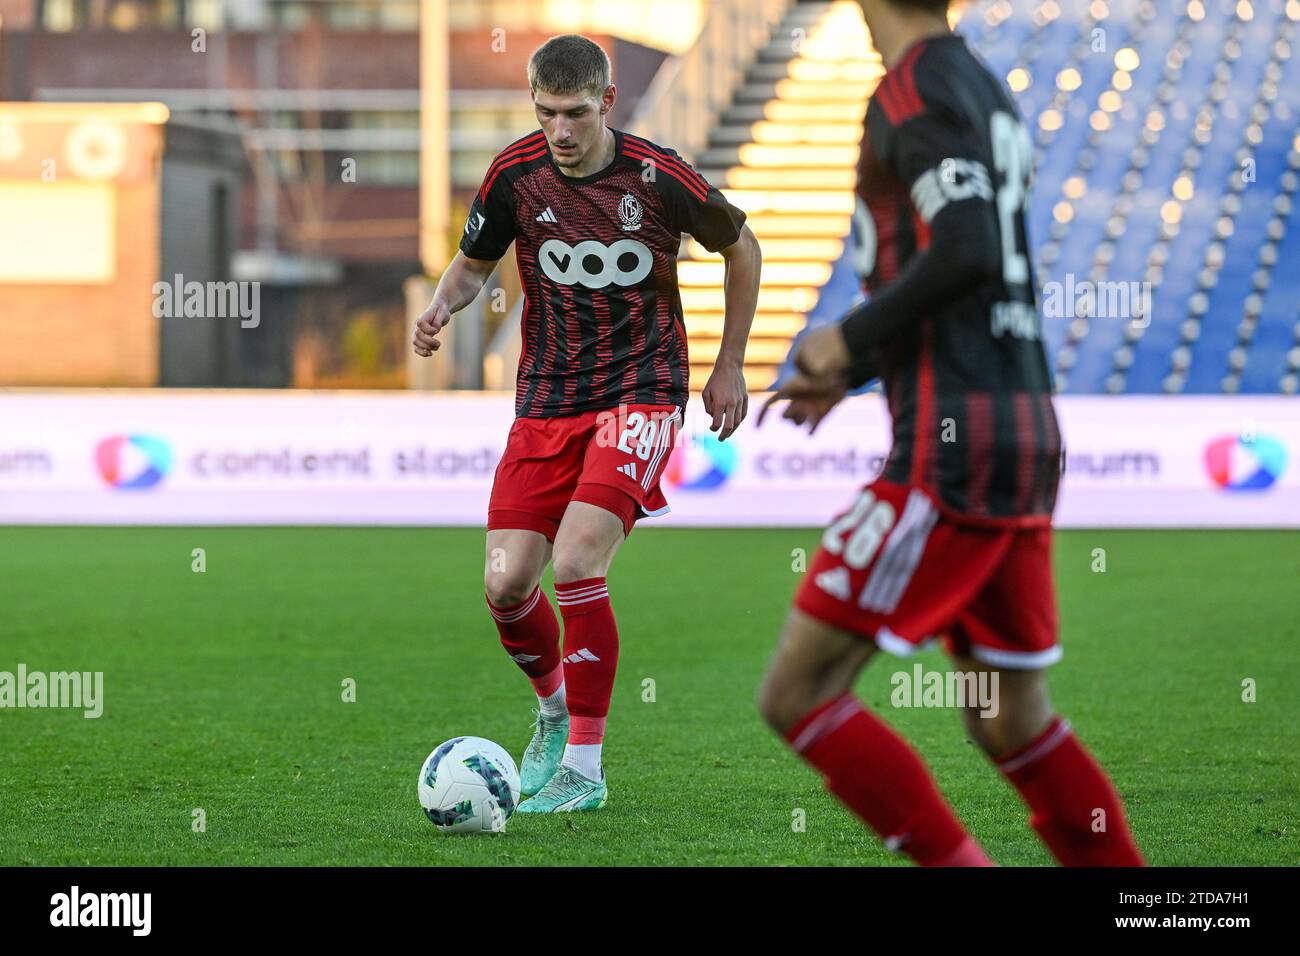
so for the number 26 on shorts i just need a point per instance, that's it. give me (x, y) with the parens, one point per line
(857, 535)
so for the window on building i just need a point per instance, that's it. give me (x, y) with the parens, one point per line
(64, 15)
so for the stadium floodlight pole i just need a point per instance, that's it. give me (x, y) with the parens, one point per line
(435, 145)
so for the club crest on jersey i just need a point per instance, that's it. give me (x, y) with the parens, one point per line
(629, 213)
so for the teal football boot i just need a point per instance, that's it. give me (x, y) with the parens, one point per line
(542, 758)
(567, 792)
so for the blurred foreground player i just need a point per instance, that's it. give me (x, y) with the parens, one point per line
(596, 216)
(954, 538)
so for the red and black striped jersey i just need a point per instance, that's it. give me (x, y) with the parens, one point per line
(597, 255)
(951, 323)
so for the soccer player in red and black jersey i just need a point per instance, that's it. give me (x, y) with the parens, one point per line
(954, 537)
(596, 216)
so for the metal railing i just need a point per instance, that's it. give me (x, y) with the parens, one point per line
(682, 104)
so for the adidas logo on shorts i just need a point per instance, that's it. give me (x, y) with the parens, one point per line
(629, 469)
(834, 582)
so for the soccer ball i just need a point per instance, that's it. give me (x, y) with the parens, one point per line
(469, 785)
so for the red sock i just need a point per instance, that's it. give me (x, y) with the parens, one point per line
(531, 636)
(1064, 788)
(590, 656)
(880, 778)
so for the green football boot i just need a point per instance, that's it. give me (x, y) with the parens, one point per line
(542, 758)
(566, 792)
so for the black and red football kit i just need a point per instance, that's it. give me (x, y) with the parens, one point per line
(954, 537)
(602, 322)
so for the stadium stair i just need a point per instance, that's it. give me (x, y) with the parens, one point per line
(785, 151)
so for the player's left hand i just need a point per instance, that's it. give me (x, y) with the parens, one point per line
(726, 399)
(822, 354)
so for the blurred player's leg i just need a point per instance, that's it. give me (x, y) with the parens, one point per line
(1010, 628)
(1074, 807)
(530, 634)
(807, 697)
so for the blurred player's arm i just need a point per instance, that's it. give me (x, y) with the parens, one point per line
(964, 250)
(461, 282)
(489, 230)
(862, 369)
(952, 192)
(807, 401)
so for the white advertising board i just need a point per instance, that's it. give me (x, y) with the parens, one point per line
(206, 457)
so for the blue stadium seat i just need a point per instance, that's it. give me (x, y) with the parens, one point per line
(1235, 72)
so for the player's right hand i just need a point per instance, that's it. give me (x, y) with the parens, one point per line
(808, 402)
(427, 327)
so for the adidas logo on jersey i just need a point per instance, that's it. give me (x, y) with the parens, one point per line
(834, 582)
(547, 216)
(577, 657)
(629, 469)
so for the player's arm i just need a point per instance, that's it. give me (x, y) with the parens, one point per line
(489, 230)
(807, 401)
(725, 396)
(698, 208)
(952, 191)
(460, 284)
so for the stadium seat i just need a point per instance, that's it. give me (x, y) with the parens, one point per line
(1139, 156)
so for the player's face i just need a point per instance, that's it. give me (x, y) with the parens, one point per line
(574, 124)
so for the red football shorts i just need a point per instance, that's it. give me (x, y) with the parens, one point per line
(612, 459)
(897, 571)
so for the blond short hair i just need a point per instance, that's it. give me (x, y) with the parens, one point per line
(569, 64)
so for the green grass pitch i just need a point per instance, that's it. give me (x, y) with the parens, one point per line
(224, 692)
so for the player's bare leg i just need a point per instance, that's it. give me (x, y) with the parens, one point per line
(587, 541)
(1024, 709)
(813, 664)
(513, 565)
(807, 696)
(585, 546)
(530, 634)
(1074, 808)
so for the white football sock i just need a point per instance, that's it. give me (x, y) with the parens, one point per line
(555, 705)
(584, 758)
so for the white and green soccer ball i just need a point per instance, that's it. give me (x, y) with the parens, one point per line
(469, 785)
